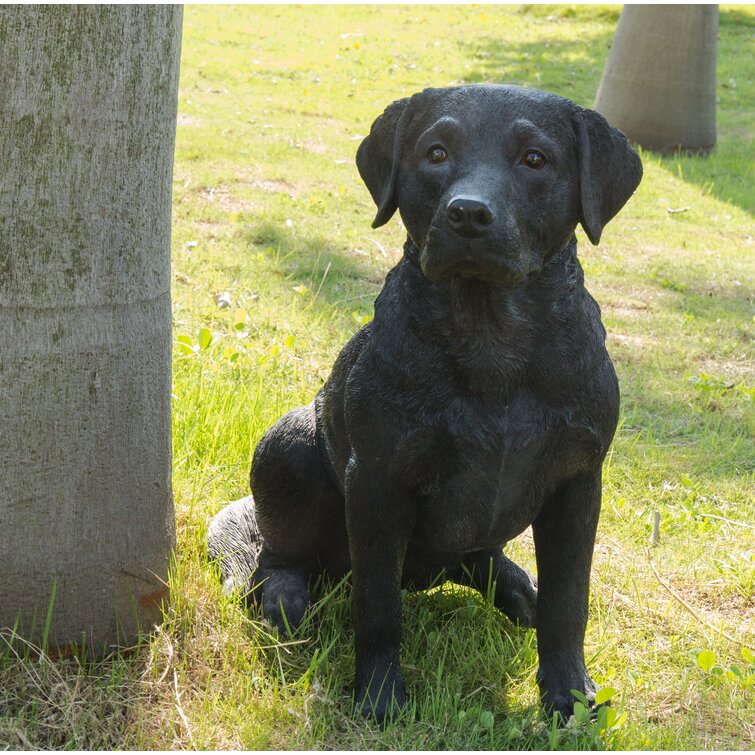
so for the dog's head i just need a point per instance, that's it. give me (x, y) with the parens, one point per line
(491, 181)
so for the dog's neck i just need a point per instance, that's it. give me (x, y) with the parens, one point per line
(492, 331)
(560, 277)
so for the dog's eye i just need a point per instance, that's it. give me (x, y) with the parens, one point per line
(534, 159)
(436, 154)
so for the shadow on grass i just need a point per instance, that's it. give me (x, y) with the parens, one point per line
(457, 654)
(691, 414)
(570, 68)
(690, 292)
(338, 279)
(703, 436)
(701, 298)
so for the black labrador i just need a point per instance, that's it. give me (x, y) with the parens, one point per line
(478, 401)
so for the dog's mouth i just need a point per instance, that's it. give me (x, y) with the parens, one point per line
(441, 265)
(499, 258)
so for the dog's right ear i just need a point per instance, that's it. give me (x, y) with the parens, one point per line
(378, 158)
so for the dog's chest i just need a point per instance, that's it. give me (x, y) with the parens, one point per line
(480, 474)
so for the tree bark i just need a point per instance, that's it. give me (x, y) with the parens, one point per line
(87, 129)
(659, 83)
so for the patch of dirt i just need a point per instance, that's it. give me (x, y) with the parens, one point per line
(188, 120)
(318, 148)
(717, 604)
(732, 370)
(722, 732)
(258, 178)
(663, 706)
(275, 186)
(629, 348)
(631, 303)
(717, 731)
(632, 341)
(627, 309)
(224, 199)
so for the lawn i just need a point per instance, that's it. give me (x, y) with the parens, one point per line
(275, 265)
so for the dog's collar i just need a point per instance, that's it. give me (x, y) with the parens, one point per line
(411, 251)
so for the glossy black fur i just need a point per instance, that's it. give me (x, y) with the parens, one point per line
(478, 401)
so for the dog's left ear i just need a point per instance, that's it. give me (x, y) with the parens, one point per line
(609, 171)
(378, 158)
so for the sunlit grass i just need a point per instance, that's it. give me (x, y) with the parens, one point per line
(275, 265)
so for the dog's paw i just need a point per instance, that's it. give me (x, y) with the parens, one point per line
(286, 616)
(382, 700)
(521, 608)
(519, 599)
(285, 599)
(556, 694)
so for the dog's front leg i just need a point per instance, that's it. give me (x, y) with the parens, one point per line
(564, 539)
(379, 521)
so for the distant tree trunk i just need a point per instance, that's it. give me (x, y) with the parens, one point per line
(87, 127)
(659, 84)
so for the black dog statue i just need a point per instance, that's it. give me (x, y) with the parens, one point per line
(478, 401)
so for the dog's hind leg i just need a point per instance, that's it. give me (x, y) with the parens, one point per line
(235, 544)
(300, 515)
(514, 589)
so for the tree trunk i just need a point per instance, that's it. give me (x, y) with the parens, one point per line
(87, 128)
(659, 84)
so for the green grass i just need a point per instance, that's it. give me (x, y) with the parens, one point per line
(269, 209)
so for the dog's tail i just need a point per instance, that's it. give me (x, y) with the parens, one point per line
(234, 542)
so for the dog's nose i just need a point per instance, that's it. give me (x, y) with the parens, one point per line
(468, 217)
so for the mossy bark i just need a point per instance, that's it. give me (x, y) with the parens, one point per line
(659, 83)
(87, 130)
